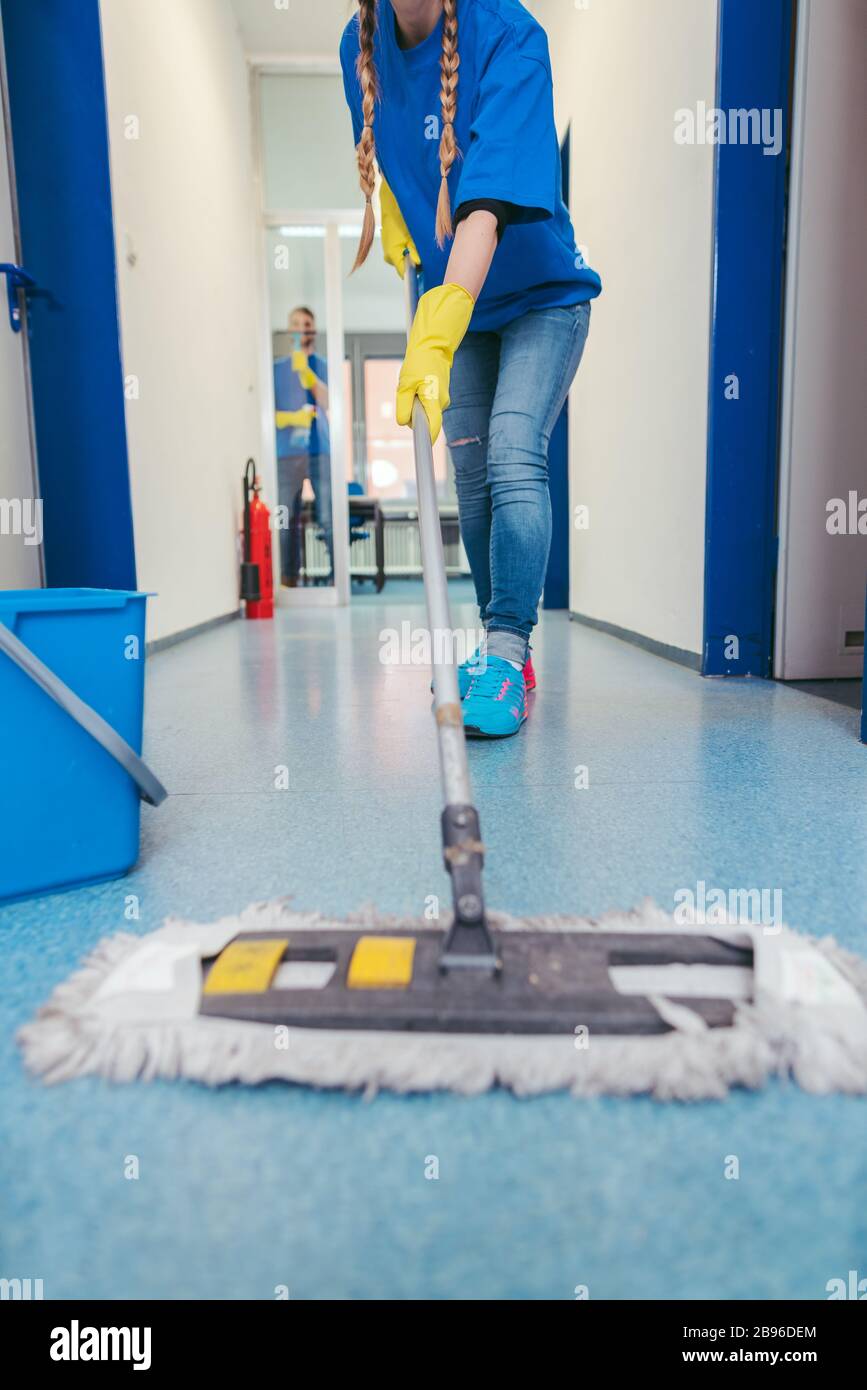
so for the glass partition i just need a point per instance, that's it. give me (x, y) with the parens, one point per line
(308, 153)
(303, 517)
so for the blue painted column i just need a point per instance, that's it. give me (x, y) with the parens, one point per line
(754, 72)
(60, 143)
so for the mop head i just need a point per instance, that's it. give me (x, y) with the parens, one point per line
(132, 1013)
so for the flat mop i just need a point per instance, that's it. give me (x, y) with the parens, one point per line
(631, 1003)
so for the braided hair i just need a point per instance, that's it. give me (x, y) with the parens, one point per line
(366, 149)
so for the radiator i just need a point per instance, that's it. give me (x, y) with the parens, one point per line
(402, 551)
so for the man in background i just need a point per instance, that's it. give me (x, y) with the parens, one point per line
(303, 444)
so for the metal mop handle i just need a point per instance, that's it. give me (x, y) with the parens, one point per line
(468, 943)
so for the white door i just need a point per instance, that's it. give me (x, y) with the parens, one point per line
(20, 511)
(823, 463)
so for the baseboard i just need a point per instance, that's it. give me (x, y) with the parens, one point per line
(637, 639)
(162, 642)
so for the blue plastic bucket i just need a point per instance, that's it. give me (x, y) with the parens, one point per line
(69, 813)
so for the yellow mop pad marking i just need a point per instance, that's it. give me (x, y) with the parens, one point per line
(245, 967)
(381, 962)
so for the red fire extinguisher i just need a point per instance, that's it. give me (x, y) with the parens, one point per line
(257, 573)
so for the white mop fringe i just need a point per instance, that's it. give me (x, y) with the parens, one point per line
(130, 1013)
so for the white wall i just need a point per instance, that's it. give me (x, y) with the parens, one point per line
(275, 29)
(821, 576)
(643, 207)
(183, 208)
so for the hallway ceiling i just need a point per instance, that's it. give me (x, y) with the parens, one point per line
(303, 28)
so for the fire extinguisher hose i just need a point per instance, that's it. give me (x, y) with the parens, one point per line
(250, 588)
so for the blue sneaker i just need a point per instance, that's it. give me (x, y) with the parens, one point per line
(467, 670)
(496, 702)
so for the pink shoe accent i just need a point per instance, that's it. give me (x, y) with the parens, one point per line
(529, 674)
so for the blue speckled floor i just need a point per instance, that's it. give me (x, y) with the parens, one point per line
(739, 784)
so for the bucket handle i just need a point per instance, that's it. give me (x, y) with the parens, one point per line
(150, 788)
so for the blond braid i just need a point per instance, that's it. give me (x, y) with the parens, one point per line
(365, 149)
(449, 64)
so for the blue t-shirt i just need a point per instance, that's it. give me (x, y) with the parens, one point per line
(508, 147)
(289, 394)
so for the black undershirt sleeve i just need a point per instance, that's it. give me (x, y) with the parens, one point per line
(504, 212)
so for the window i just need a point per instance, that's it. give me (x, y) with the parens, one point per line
(389, 456)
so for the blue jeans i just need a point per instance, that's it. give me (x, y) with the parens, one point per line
(291, 473)
(507, 389)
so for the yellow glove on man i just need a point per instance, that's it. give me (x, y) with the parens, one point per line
(301, 365)
(295, 419)
(441, 320)
(395, 234)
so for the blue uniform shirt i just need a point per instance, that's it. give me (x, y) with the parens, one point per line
(289, 394)
(508, 147)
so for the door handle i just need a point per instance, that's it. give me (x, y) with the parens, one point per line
(17, 278)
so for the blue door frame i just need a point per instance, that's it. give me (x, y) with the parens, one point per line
(60, 144)
(754, 71)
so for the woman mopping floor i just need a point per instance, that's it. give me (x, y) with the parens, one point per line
(500, 331)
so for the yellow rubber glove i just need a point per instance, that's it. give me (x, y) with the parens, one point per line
(301, 365)
(295, 419)
(395, 233)
(441, 320)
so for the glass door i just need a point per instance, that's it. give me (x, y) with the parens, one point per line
(307, 181)
(308, 411)
(389, 462)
